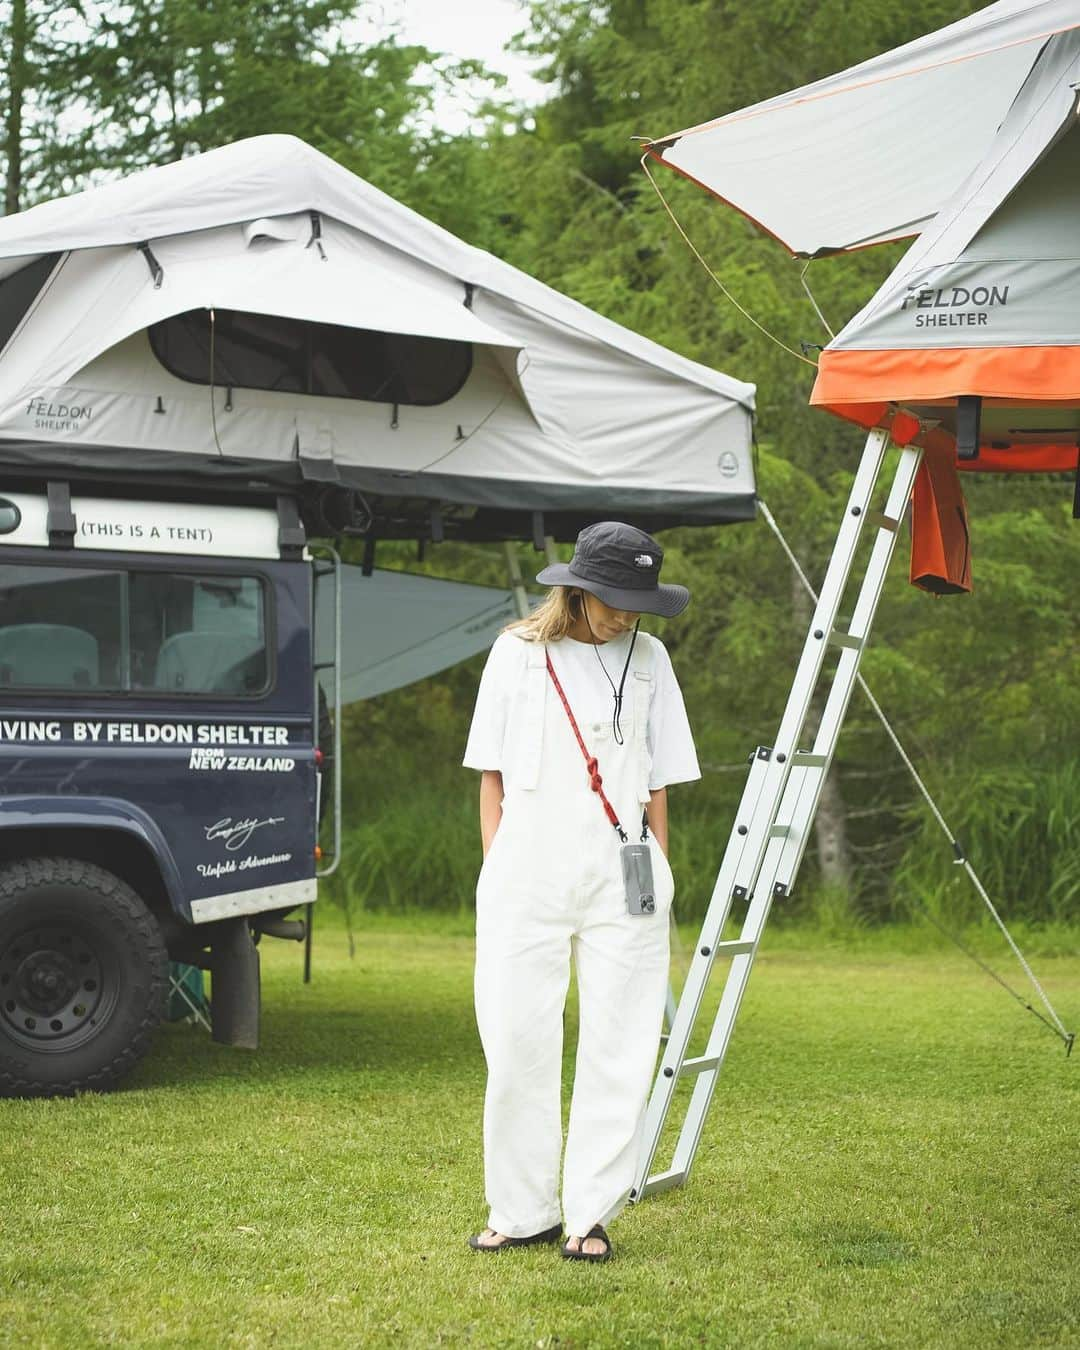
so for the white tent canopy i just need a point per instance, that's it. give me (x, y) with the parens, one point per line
(872, 153)
(434, 377)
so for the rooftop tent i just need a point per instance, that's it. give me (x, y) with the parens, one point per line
(259, 315)
(975, 124)
(874, 152)
(986, 304)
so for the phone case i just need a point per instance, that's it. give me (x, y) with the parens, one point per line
(638, 878)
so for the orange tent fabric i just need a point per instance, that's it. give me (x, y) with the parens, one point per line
(1038, 375)
(866, 386)
(940, 535)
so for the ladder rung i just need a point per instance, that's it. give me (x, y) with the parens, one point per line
(701, 1064)
(778, 804)
(662, 1181)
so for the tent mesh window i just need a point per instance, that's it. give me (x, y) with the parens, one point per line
(19, 291)
(294, 356)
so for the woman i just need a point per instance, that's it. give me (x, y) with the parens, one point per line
(579, 727)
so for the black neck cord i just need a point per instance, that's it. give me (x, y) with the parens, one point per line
(616, 726)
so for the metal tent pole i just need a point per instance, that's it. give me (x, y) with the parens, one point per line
(517, 585)
(331, 569)
(776, 812)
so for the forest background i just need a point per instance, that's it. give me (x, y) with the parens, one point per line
(982, 690)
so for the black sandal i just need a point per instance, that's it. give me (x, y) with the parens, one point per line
(576, 1254)
(549, 1235)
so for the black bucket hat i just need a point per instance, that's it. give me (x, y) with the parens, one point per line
(620, 565)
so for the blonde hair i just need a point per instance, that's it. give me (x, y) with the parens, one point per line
(553, 617)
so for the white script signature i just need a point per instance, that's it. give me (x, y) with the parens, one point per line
(237, 833)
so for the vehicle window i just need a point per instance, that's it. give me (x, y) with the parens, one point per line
(60, 628)
(261, 351)
(82, 628)
(197, 635)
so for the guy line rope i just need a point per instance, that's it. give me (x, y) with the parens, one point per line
(1052, 1021)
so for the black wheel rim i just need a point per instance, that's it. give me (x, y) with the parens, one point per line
(58, 985)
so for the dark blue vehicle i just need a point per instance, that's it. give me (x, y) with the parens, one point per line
(160, 768)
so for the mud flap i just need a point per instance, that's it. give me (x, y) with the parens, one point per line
(234, 991)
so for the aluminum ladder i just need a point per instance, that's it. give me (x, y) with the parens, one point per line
(776, 812)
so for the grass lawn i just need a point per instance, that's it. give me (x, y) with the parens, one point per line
(891, 1160)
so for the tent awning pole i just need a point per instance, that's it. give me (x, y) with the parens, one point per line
(513, 573)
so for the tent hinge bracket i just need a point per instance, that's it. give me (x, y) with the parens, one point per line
(60, 521)
(291, 536)
(968, 429)
(316, 234)
(156, 269)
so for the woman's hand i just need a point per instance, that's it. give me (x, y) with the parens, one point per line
(491, 798)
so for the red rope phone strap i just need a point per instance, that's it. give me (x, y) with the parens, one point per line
(591, 764)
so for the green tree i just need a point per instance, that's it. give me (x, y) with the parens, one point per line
(111, 88)
(34, 38)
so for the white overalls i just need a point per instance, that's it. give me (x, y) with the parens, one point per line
(551, 884)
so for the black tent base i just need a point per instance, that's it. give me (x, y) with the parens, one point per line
(338, 500)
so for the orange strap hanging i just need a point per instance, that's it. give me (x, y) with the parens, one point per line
(940, 539)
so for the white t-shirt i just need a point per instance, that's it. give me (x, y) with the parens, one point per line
(578, 666)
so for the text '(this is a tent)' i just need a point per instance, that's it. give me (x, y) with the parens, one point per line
(259, 314)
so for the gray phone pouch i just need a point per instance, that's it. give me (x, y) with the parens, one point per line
(638, 878)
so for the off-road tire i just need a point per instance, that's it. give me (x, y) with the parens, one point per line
(83, 977)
